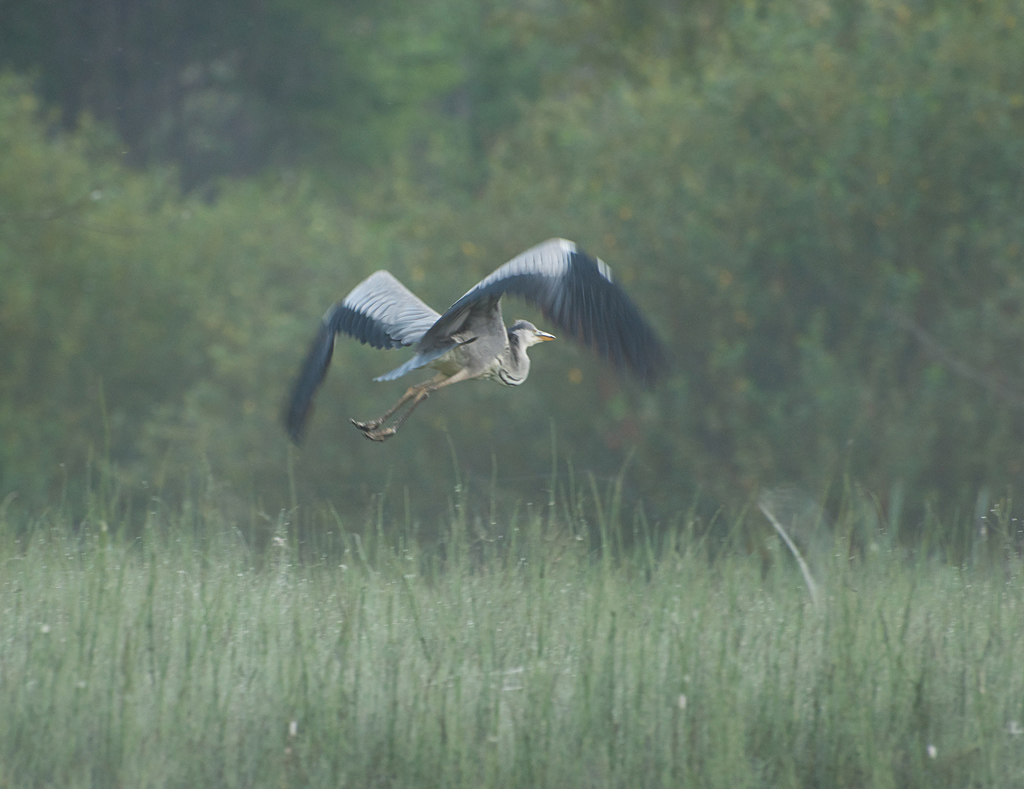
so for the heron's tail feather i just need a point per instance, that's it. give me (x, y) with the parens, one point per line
(422, 359)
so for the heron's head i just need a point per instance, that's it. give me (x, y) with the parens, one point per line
(529, 334)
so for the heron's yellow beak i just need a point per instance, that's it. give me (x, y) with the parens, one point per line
(543, 336)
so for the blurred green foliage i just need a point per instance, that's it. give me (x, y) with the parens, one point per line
(231, 88)
(820, 205)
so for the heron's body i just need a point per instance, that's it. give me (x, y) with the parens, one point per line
(490, 351)
(479, 351)
(470, 339)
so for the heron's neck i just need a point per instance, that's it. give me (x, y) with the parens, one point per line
(515, 364)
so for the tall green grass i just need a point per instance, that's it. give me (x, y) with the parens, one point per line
(521, 650)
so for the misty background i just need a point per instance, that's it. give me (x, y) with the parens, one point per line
(820, 206)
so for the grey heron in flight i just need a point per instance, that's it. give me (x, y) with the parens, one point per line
(572, 289)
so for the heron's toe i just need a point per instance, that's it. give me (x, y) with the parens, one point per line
(365, 426)
(380, 435)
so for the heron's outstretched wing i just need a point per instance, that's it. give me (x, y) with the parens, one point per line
(380, 311)
(576, 292)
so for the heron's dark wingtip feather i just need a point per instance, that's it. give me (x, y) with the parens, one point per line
(312, 372)
(606, 319)
(654, 365)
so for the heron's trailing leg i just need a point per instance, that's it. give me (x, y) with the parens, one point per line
(383, 433)
(374, 429)
(410, 393)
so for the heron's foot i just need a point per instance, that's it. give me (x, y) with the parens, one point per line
(373, 424)
(380, 434)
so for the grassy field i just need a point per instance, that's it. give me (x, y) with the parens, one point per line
(518, 654)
